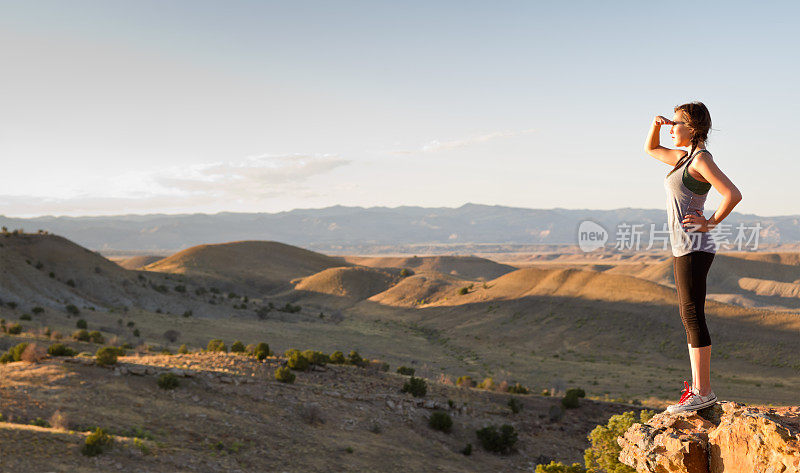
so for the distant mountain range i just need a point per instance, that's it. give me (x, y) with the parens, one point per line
(343, 230)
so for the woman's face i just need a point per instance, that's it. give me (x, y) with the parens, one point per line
(681, 135)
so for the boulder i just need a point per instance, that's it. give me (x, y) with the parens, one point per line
(725, 438)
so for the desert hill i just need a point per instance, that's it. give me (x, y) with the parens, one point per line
(352, 282)
(264, 265)
(421, 289)
(136, 262)
(463, 267)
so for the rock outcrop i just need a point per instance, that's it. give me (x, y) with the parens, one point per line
(727, 437)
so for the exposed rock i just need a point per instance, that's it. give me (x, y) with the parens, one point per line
(725, 438)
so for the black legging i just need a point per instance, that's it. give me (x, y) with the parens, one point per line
(690, 279)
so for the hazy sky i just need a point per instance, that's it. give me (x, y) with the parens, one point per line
(111, 107)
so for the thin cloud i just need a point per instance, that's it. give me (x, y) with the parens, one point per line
(436, 146)
(248, 181)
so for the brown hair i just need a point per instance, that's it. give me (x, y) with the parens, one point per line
(698, 121)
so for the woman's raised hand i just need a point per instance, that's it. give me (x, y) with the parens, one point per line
(659, 120)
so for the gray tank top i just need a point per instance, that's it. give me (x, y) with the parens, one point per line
(686, 194)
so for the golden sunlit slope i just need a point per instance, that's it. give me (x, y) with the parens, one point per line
(792, 258)
(136, 262)
(263, 264)
(421, 289)
(464, 267)
(356, 282)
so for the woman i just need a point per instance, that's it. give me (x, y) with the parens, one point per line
(693, 248)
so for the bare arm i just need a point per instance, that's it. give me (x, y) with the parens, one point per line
(654, 149)
(731, 196)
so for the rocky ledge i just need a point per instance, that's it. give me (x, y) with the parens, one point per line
(727, 437)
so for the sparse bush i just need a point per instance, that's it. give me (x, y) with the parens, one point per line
(558, 467)
(570, 402)
(467, 450)
(72, 309)
(180, 288)
(416, 386)
(404, 370)
(39, 422)
(405, 272)
(37, 310)
(25, 317)
(96, 337)
(183, 349)
(577, 392)
(501, 441)
(187, 313)
(518, 389)
(71, 283)
(96, 442)
(465, 381)
(56, 335)
(14, 329)
(33, 353)
(81, 335)
(106, 356)
(59, 349)
(216, 345)
(440, 420)
(59, 420)
(81, 324)
(487, 383)
(237, 347)
(171, 335)
(11, 304)
(514, 405)
(337, 358)
(603, 455)
(136, 333)
(284, 375)
(463, 290)
(131, 323)
(167, 381)
(311, 413)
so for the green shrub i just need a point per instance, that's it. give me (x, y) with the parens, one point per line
(59, 349)
(603, 455)
(406, 371)
(355, 359)
(558, 467)
(577, 392)
(501, 441)
(416, 386)
(284, 375)
(514, 405)
(180, 288)
(237, 347)
(167, 381)
(25, 317)
(518, 389)
(298, 362)
(261, 351)
(337, 358)
(72, 309)
(96, 442)
(16, 351)
(106, 356)
(315, 357)
(440, 420)
(14, 329)
(81, 335)
(467, 450)
(81, 323)
(37, 310)
(216, 345)
(136, 333)
(570, 402)
(183, 349)
(96, 337)
(463, 290)
(71, 282)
